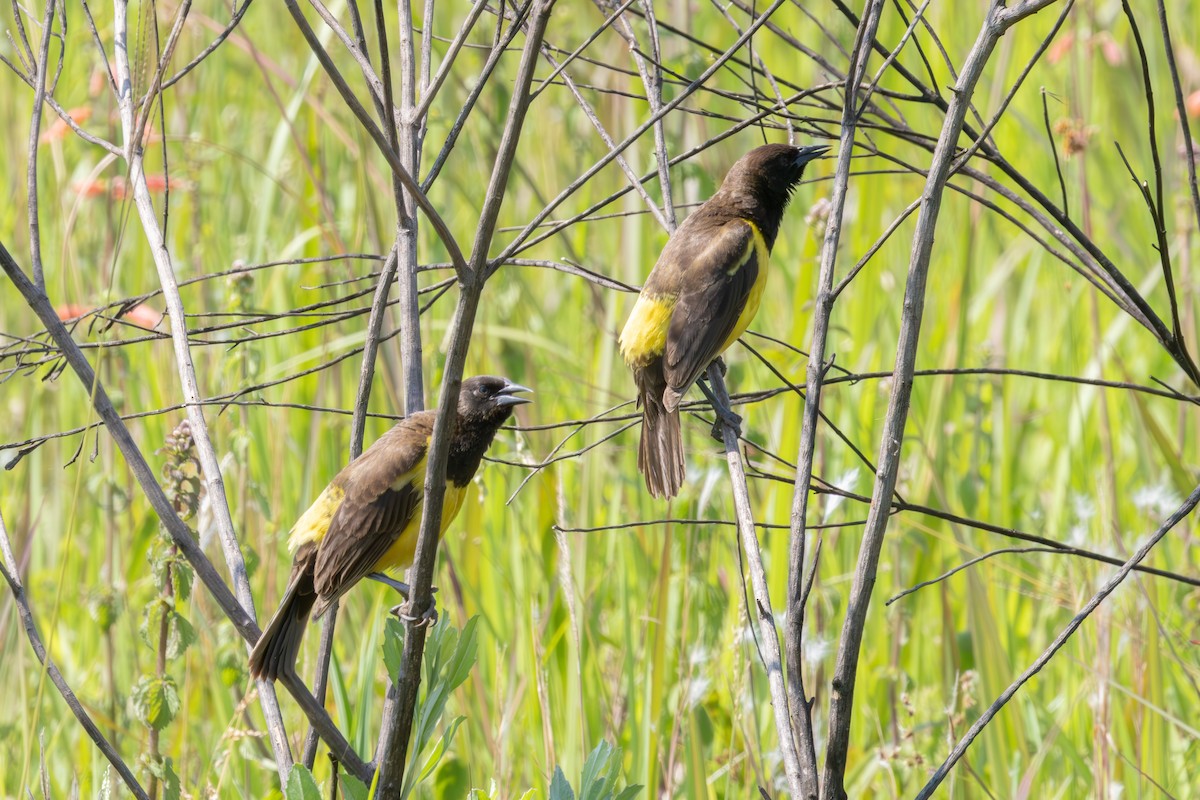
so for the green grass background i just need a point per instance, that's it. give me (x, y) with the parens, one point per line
(635, 636)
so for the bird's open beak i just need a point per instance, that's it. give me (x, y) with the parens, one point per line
(807, 154)
(507, 395)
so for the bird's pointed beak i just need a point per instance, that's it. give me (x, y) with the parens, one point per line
(807, 154)
(507, 395)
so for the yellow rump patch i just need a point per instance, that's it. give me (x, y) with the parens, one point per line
(314, 523)
(645, 334)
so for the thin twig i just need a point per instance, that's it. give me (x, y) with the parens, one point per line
(1156, 204)
(234, 21)
(1062, 183)
(950, 573)
(432, 86)
(1180, 107)
(516, 244)
(593, 118)
(481, 81)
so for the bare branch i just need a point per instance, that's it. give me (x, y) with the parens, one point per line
(210, 49)
(360, 56)
(770, 651)
(481, 81)
(515, 245)
(432, 87)
(409, 137)
(35, 127)
(590, 113)
(1180, 108)
(1156, 204)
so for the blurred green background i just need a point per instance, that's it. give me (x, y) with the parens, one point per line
(635, 636)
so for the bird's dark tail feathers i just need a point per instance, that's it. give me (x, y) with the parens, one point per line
(660, 453)
(277, 648)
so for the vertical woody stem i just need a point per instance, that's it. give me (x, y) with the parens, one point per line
(798, 702)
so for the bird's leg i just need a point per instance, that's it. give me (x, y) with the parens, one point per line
(725, 414)
(428, 617)
(400, 586)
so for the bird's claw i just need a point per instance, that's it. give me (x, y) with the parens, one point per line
(426, 619)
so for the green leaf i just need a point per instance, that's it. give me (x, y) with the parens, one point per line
(183, 574)
(439, 646)
(595, 784)
(155, 701)
(393, 647)
(301, 785)
(180, 634)
(160, 562)
(152, 620)
(440, 749)
(629, 792)
(354, 789)
(465, 653)
(559, 788)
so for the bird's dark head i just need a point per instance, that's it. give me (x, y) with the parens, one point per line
(489, 400)
(772, 170)
(761, 182)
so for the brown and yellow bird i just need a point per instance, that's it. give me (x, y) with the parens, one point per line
(701, 295)
(369, 516)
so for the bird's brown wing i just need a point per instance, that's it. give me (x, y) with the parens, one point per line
(721, 268)
(384, 490)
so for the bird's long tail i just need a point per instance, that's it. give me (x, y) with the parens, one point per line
(660, 453)
(277, 648)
